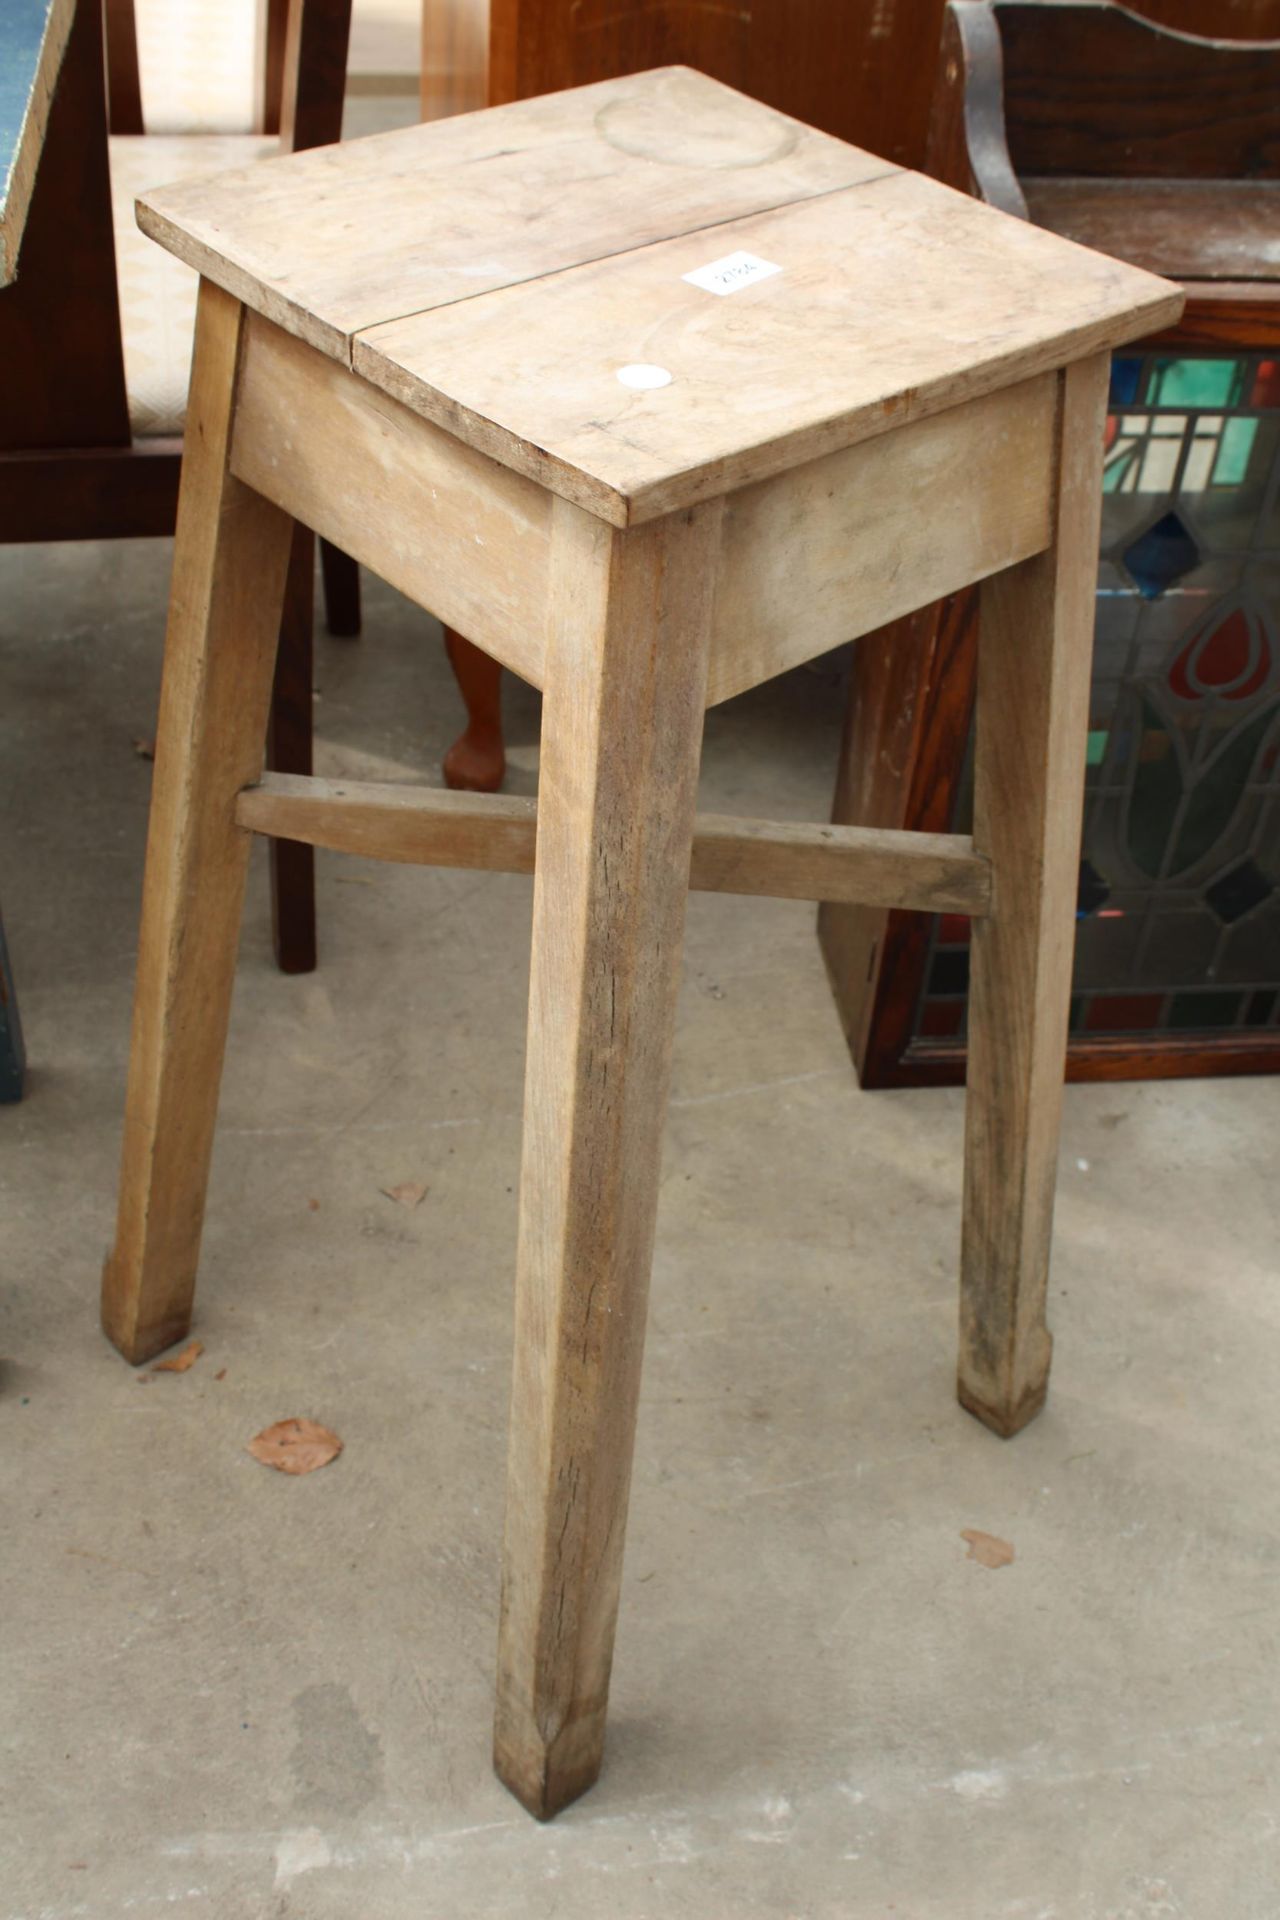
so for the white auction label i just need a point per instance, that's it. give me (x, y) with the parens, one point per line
(729, 275)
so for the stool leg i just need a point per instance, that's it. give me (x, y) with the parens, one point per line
(230, 557)
(622, 731)
(1034, 652)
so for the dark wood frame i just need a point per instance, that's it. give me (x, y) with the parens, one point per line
(912, 684)
(69, 467)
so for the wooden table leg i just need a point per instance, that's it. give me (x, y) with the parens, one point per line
(230, 558)
(289, 750)
(622, 730)
(1034, 651)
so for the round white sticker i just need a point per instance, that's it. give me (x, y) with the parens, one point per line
(644, 378)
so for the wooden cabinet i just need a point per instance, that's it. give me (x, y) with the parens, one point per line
(862, 69)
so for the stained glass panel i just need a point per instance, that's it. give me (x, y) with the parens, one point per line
(1178, 921)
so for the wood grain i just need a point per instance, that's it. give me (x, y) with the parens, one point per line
(1184, 229)
(336, 240)
(861, 69)
(464, 537)
(896, 299)
(230, 558)
(1090, 89)
(1034, 654)
(834, 548)
(430, 826)
(622, 731)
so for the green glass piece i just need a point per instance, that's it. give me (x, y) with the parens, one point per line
(1195, 383)
(1234, 448)
(1096, 751)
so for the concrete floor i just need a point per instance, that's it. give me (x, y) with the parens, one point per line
(236, 1694)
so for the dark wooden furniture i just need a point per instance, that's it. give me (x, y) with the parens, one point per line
(35, 40)
(1163, 150)
(70, 467)
(861, 70)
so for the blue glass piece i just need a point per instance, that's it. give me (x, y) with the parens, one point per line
(1126, 377)
(1161, 555)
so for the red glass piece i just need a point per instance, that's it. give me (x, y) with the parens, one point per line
(940, 1019)
(953, 930)
(1123, 1012)
(1266, 385)
(1231, 659)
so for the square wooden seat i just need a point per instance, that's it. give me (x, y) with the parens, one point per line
(654, 393)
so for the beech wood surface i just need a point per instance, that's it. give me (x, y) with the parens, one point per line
(852, 337)
(1035, 650)
(511, 333)
(808, 559)
(911, 347)
(621, 738)
(449, 210)
(230, 558)
(431, 826)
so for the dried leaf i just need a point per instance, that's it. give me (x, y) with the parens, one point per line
(221, 1374)
(313, 1206)
(407, 1194)
(987, 1548)
(179, 1362)
(295, 1446)
(145, 749)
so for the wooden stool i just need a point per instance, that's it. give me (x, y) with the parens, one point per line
(654, 393)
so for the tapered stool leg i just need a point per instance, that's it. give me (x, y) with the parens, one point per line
(1034, 652)
(230, 557)
(622, 730)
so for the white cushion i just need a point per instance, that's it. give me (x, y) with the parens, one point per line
(200, 63)
(157, 292)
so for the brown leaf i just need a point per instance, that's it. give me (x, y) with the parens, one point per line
(295, 1446)
(179, 1362)
(407, 1194)
(987, 1548)
(314, 1206)
(145, 749)
(221, 1374)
